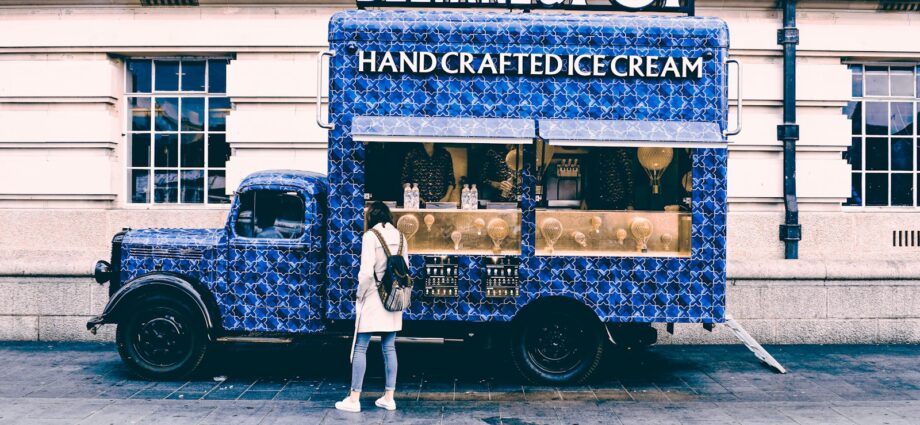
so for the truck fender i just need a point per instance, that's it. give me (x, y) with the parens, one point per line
(122, 298)
(545, 304)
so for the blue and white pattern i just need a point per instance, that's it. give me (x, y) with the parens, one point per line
(618, 289)
(493, 128)
(258, 285)
(631, 132)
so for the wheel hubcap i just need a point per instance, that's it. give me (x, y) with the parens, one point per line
(556, 347)
(162, 341)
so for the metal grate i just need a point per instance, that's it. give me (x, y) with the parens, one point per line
(899, 5)
(905, 238)
(172, 253)
(169, 2)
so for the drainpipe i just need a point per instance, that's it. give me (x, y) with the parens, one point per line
(790, 232)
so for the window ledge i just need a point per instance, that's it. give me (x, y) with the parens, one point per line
(824, 270)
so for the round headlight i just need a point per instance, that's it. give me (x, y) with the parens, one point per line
(102, 272)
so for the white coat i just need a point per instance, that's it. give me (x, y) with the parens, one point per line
(371, 316)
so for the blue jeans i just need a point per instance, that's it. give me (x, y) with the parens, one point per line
(359, 362)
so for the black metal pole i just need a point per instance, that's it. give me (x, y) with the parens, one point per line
(790, 232)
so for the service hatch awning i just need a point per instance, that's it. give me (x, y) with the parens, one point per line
(443, 130)
(631, 133)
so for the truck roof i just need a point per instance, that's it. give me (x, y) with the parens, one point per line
(432, 28)
(285, 179)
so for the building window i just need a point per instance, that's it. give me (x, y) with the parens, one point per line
(885, 152)
(177, 143)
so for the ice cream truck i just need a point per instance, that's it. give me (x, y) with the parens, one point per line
(560, 177)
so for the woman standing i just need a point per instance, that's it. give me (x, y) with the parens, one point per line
(371, 317)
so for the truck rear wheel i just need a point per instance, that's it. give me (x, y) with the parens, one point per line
(162, 338)
(557, 347)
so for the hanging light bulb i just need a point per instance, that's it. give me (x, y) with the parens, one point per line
(498, 230)
(641, 229)
(655, 161)
(552, 230)
(408, 225)
(456, 236)
(479, 224)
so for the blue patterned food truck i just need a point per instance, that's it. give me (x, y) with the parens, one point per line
(561, 180)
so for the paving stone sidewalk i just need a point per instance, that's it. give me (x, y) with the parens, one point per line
(65, 383)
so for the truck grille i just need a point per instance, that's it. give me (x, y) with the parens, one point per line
(175, 253)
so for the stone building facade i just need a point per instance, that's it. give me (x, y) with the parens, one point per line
(72, 75)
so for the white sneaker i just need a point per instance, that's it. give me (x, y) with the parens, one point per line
(384, 404)
(349, 406)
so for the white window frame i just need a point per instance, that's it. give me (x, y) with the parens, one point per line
(915, 140)
(127, 133)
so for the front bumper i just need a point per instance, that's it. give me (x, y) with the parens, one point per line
(95, 323)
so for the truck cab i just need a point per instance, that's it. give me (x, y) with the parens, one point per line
(174, 291)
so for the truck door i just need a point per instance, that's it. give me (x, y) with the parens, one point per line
(275, 262)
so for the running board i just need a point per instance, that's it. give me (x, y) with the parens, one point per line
(413, 340)
(752, 344)
(255, 339)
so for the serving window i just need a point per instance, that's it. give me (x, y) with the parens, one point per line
(614, 201)
(429, 187)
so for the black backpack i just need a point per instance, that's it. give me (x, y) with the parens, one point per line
(395, 288)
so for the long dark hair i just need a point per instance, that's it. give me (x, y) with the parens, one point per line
(379, 212)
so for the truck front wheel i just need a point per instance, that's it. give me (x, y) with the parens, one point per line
(558, 347)
(162, 338)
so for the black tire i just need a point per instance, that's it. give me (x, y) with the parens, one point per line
(162, 338)
(557, 347)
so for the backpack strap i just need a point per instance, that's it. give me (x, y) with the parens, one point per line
(401, 239)
(383, 243)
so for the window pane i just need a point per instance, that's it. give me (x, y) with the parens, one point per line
(877, 189)
(877, 118)
(166, 150)
(217, 76)
(857, 80)
(139, 108)
(902, 157)
(193, 114)
(140, 183)
(877, 81)
(193, 186)
(167, 113)
(876, 153)
(902, 118)
(140, 150)
(167, 75)
(277, 215)
(902, 81)
(217, 193)
(855, 190)
(193, 75)
(853, 110)
(193, 150)
(139, 76)
(902, 189)
(853, 155)
(218, 107)
(166, 187)
(218, 150)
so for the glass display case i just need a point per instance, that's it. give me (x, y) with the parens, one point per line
(460, 232)
(613, 233)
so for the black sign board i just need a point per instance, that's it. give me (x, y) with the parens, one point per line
(657, 6)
